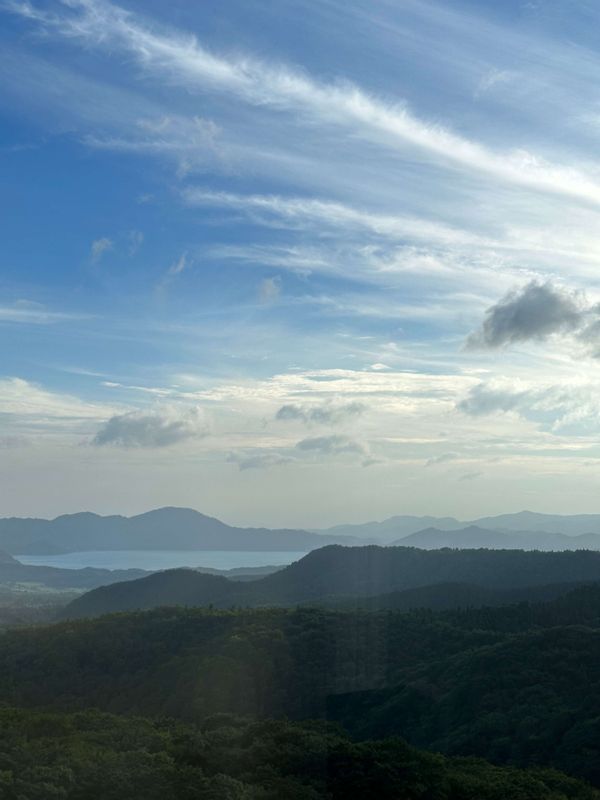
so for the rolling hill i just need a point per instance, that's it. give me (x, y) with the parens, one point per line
(12, 572)
(335, 571)
(517, 685)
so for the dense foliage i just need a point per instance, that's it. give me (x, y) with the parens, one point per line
(194, 662)
(532, 699)
(93, 756)
(517, 685)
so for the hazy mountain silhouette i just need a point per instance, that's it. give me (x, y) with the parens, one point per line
(185, 529)
(161, 529)
(475, 536)
(394, 527)
(399, 527)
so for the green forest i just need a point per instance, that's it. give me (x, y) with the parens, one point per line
(95, 756)
(306, 702)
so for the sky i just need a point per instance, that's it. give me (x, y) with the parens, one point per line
(299, 263)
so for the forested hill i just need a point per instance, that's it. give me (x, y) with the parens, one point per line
(13, 572)
(335, 571)
(519, 685)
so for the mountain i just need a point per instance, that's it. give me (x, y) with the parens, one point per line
(335, 571)
(464, 538)
(161, 529)
(475, 536)
(570, 525)
(393, 528)
(186, 529)
(443, 596)
(399, 527)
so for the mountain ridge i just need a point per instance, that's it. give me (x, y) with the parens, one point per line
(400, 526)
(474, 536)
(167, 528)
(336, 571)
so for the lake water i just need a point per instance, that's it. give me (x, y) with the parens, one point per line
(165, 559)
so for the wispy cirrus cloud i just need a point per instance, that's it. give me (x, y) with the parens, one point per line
(26, 312)
(302, 211)
(22, 399)
(180, 59)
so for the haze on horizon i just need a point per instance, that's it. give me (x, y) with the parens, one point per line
(299, 269)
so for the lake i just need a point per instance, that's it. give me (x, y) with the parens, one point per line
(164, 559)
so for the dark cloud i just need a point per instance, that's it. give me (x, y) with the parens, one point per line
(332, 445)
(470, 476)
(484, 399)
(258, 460)
(441, 459)
(159, 428)
(536, 311)
(326, 414)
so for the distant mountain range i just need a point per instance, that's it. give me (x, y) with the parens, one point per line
(162, 529)
(524, 521)
(324, 576)
(186, 529)
(476, 537)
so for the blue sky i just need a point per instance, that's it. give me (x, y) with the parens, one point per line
(299, 263)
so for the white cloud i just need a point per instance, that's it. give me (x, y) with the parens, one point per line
(99, 247)
(34, 415)
(571, 408)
